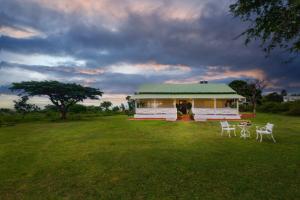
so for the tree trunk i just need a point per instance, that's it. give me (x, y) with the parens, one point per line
(63, 114)
(254, 107)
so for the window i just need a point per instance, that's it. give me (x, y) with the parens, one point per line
(145, 103)
(204, 103)
(224, 103)
(165, 103)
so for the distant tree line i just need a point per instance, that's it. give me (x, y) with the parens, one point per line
(65, 98)
(272, 102)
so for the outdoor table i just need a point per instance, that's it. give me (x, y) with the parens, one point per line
(244, 130)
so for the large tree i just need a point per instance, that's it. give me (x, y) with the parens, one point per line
(275, 22)
(62, 95)
(251, 89)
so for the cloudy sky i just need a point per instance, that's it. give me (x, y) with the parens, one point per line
(116, 45)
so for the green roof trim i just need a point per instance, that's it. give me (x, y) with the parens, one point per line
(209, 88)
(187, 96)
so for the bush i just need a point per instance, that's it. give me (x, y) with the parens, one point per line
(294, 108)
(78, 108)
(245, 108)
(290, 108)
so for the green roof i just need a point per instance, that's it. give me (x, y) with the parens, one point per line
(187, 96)
(185, 89)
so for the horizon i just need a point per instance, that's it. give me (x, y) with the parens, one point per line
(117, 46)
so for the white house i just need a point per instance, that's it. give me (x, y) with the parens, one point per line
(204, 101)
(291, 98)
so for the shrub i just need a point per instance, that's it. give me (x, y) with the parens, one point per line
(78, 108)
(294, 108)
(245, 108)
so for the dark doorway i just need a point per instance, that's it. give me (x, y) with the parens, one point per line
(183, 106)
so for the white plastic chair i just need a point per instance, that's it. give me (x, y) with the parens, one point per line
(266, 130)
(226, 127)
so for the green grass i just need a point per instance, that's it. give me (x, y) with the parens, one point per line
(114, 158)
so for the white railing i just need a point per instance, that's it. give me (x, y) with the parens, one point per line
(156, 110)
(217, 111)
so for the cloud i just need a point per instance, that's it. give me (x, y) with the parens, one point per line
(20, 32)
(16, 74)
(117, 45)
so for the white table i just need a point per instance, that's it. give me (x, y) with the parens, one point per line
(245, 133)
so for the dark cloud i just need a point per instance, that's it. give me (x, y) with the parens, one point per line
(141, 37)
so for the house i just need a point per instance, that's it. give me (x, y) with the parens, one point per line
(204, 101)
(291, 98)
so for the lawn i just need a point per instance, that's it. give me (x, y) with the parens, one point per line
(114, 158)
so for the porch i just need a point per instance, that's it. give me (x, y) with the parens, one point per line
(201, 109)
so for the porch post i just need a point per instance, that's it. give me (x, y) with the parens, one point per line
(135, 104)
(155, 103)
(215, 105)
(237, 105)
(174, 103)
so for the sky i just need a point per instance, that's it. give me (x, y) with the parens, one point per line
(117, 45)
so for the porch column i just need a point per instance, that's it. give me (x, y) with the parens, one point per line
(193, 104)
(135, 104)
(237, 105)
(174, 103)
(155, 106)
(215, 105)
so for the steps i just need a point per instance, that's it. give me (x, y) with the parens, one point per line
(185, 118)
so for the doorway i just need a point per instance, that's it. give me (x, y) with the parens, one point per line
(184, 106)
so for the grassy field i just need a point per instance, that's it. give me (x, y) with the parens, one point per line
(114, 158)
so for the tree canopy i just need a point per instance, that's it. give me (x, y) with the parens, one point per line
(106, 105)
(23, 107)
(62, 95)
(251, 89)
(275, 22)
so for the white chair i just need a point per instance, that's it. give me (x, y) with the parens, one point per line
(226, 127)
(266, 130)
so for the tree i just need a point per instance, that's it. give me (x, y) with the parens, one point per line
(62, 95)
(241, 87)
(122, 107)
(276, 23)
(116, 109)
(23, 107)
(106, 105)
(273, 97)
(283, 93)
(131, 103)
(251, 89)
(256, 87)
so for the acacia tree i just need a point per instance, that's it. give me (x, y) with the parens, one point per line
(275, 22)
(62, 95)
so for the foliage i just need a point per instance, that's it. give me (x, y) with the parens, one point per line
(289, 108)
(105, 105)
(276, 23)
(78, 108)
(241, 87)
(62, 95)
(294, 108)
(116, 109)
(131, 104)
(251, 90)
(273, 97)
(245, 108)
(122, 107)
(23, 107)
